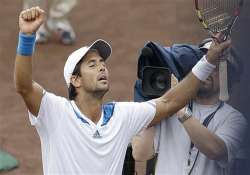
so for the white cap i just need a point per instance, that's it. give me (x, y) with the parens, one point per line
(103, 48)
(207, 45)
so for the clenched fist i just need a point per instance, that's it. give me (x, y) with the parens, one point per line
(31, 19)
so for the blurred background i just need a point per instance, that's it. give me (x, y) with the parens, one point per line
(127, 25)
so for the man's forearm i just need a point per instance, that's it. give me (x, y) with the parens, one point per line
(179, 96)
(23, 73)
(143, 144)
(176, 98)
(23, 63)
(204, 140)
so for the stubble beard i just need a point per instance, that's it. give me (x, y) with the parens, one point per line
(207, 92)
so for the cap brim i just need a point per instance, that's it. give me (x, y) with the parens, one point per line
(103, 48)
(206, 45)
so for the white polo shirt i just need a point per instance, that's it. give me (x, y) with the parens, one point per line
(173, 143)
(73, 145)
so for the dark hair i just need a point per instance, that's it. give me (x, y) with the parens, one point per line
(72, 90)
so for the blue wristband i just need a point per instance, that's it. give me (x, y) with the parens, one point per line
(26, 44)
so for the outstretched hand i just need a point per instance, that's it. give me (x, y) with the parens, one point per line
(31, 19)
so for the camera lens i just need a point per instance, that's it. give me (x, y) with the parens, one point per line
(159, 81)
(155, 81)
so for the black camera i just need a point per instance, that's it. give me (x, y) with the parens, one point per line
(155, 81)
(156, 64)
(156, 78)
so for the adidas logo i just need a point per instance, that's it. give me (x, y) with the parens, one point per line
(97, 135)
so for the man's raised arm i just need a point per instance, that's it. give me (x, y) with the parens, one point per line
(29, 22)
(177, 97)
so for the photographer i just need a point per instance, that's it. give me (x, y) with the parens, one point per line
(201, 139)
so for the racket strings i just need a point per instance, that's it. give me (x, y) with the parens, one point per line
(219, 14)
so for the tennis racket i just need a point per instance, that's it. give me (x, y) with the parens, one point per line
(219, 16)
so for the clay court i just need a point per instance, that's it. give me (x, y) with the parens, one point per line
(126, 24)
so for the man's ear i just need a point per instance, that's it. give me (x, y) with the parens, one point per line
(75, 81)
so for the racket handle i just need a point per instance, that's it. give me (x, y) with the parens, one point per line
(224, 96)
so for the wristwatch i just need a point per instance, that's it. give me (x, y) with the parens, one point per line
(187, 115)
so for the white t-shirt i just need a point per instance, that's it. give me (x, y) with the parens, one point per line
(173, 143)
(72, 144)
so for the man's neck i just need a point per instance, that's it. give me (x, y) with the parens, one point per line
(211, 100)
(90, 106)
